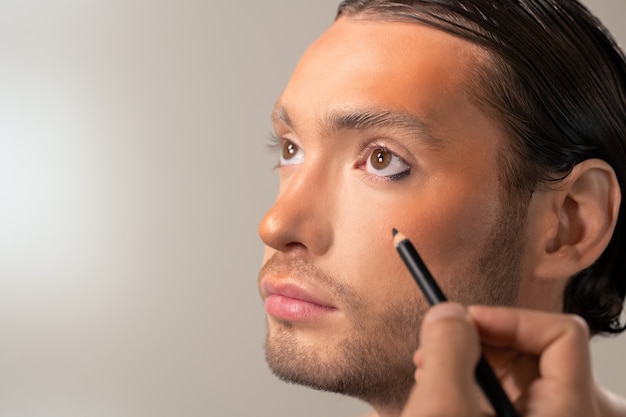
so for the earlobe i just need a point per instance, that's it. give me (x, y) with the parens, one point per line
(583, 212)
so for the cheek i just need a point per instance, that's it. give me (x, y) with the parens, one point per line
(363, 254)
(454, 233)
(449, 229)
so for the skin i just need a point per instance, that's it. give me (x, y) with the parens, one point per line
(555, 393)
(451, 336)
(335, 290)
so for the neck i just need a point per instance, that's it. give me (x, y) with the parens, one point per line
(610, 405)
(387, 410)
(388, 399)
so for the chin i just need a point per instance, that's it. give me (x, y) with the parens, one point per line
(350, 366)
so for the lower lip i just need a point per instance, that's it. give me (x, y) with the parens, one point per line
(292, 309)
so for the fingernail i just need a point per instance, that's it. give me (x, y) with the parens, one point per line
(445, 310)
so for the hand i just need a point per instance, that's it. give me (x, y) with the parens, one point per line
(548, 372)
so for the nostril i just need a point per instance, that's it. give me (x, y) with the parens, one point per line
(293, 246)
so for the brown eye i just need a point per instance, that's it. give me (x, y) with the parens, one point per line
(380, 158)
(383, 163)
(290, 149)
(290, 154)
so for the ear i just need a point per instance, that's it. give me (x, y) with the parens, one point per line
(578, 217)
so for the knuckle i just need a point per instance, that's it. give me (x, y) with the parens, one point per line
(578, 326)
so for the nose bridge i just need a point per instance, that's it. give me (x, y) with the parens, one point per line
(303, 211)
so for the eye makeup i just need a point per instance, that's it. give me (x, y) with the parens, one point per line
(382, 162)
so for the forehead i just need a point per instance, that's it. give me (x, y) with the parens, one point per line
(403, 66)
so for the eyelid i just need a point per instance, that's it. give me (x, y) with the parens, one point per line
(394, 146)
(275, 141)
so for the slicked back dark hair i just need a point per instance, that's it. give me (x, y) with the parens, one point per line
(556, 82)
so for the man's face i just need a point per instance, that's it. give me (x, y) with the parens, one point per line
(378, 130)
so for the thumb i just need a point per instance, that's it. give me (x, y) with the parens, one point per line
(449, 351)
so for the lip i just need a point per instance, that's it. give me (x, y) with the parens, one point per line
(291, 302)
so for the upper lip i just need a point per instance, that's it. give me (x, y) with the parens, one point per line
(295, 291)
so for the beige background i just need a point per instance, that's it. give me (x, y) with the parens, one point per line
(133, 172)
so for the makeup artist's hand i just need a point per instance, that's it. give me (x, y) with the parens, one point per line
(547, 372)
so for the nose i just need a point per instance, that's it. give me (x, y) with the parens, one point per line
(301, 215)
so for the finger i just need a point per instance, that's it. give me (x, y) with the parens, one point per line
(559, 341)
(557, 338)
(449, 351)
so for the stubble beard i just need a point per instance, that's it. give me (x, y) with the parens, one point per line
(374, 362)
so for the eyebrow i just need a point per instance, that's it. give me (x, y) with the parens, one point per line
(280, 114)
(366, 119)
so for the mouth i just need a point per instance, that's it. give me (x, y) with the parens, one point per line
(294, 303)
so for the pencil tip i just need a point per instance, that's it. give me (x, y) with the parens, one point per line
(394, 231)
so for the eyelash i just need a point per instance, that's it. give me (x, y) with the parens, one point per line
(275, 146)
(274, 143)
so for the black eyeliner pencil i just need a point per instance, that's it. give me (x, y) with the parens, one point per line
(485, 376)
